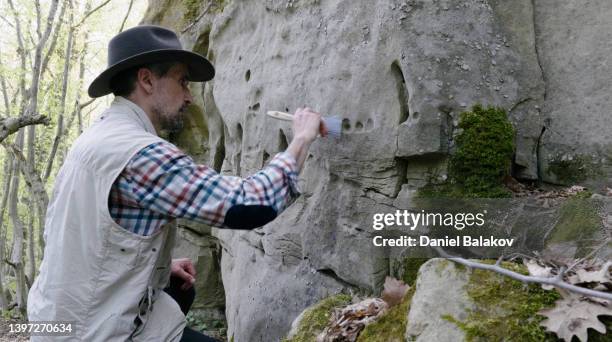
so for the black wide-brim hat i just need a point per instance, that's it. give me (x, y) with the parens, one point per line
(148, 44)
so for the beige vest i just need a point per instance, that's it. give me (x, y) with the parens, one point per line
(94, 272)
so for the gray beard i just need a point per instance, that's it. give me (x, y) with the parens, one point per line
(172, 126)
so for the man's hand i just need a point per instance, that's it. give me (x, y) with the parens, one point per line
(307, 124)
(183, 268)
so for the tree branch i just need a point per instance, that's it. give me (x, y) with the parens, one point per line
(556, 281)
(66, 74)
(127, 14)
(199, 17)
(38, 32)
(33, 180)
(7, 106)
(11, 125)
(54, 36)
(90, 13)
(22, 56)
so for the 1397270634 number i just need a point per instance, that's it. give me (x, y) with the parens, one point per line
(43, 328)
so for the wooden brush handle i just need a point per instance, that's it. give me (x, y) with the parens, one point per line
(280, 115)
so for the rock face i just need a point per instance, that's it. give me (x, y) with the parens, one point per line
(398, 73)
(439, 281)
(577, 144)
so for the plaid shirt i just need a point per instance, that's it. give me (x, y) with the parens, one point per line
(161, 183)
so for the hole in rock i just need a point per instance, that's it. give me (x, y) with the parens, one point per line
(369, 124)
(402, 92)
(359, 126)
(346, 125)
(282, 141)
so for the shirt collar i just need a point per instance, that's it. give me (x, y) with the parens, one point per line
(143, 118)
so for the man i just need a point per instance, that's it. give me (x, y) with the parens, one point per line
(110, 228)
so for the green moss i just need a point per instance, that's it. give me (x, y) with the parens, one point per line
(506, 309)
(315, 318)
(444, 190)
(484, 151)
(193, 139)
(578, 222)
(407, 269)
(390, 327)
(573, 170)
(192, 8)
(201, 321)
(483, 157)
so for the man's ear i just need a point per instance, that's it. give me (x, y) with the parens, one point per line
(144, 77)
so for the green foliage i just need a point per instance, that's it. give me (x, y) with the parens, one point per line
(484, 152)
(483, 157)
(574, 169)
(390, 327)
(315, 318)
(192, 8)
(506, 309)
(202, 323)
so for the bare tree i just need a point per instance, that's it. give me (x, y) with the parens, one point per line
(127, 14)
(9, 126)
(60, 119)
(8, 168)
(16, 260)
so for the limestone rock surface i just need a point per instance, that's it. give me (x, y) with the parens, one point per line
(440, 292)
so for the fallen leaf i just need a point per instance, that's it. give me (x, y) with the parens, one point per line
(537, 270)
(346, 323)
(572, 316)
(394, 291)
(601, 275)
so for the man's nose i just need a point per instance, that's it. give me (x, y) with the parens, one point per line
(188, 97)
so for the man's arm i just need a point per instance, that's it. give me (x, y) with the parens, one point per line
(162, 179)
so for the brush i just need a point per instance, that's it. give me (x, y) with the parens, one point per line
(333, 124)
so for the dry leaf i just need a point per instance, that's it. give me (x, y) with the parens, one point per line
(601, 276)
(346, 324)
(537, 270)
(573, 190)
(572, 317)
(394, 291)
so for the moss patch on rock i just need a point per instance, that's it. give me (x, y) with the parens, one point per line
(572, 169)
(192, 8)
(392, 326)
(483, 156)
(315, 318)
(407, 269)
(193, 139)
(579, 222)
(506, 309)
